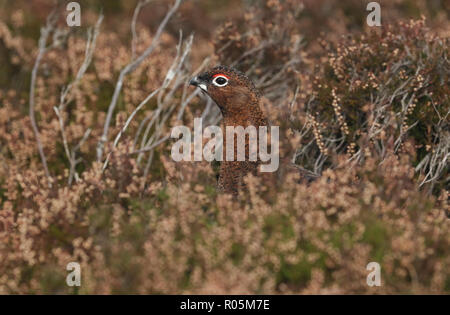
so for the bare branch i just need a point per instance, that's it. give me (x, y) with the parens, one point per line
(124, 128)
(42, 49)
(151, 147)
(128, 69)
(89, 52)
(136, 12)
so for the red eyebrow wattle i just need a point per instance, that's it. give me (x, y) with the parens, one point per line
(221, 74)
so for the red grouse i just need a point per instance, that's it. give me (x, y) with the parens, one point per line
(239, 102)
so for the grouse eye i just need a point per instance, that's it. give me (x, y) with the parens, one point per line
(220, 80)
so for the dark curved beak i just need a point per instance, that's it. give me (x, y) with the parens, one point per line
(194, 81)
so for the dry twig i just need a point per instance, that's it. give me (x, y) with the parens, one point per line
(45, 33)
(127, 70)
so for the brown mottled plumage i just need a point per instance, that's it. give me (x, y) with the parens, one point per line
(239, 102)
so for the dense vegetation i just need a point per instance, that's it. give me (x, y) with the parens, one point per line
(365, 140)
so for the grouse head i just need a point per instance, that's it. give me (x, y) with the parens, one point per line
(229, 88)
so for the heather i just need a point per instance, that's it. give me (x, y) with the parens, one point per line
(364, 147)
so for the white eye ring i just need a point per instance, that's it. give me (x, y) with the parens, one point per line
(220, 77)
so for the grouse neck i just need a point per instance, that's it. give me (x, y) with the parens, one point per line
(245, 115)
